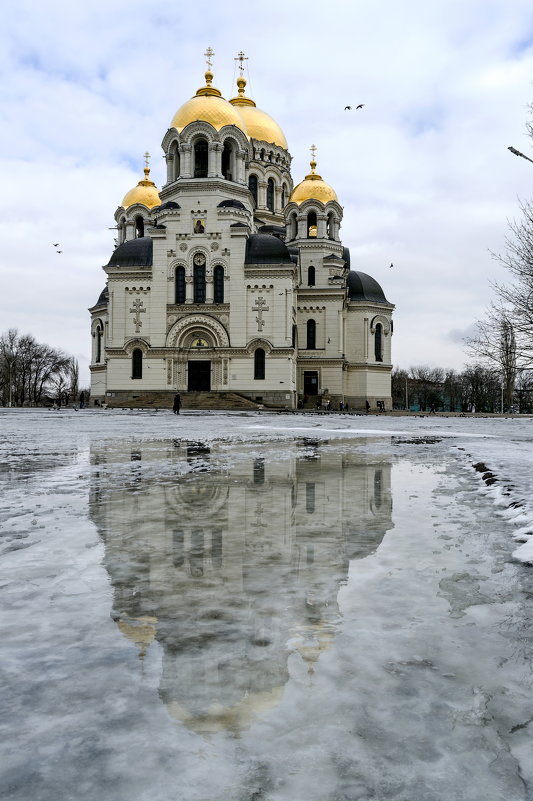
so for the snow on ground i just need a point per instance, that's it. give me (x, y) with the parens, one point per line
(379, 650)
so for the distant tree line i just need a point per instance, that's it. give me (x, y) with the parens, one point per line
(35, 374)
(478, 388)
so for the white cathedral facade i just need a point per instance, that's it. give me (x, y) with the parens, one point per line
(231, 281)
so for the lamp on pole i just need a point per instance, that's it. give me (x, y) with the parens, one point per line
(518, 153)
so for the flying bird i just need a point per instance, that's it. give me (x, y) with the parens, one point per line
(55, 244)
(347, 108)
(359, 106)
(59, 251)
(391, 265)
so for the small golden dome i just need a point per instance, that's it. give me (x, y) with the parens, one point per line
(145, 192)
(313, 188)
(209, 106)
(259, 124)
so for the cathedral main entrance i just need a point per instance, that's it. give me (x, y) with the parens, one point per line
(198, 376)
(310, 382)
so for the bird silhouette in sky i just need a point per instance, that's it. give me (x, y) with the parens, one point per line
(59, 251)
(347, 108)
(359, 106)
(391, 265)
(55, 244)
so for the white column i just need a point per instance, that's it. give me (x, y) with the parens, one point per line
(321, 226)
(170, 167)
(261, 194)
(185, 151)
(209, 289)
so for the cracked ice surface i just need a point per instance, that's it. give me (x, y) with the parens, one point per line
(255, 606)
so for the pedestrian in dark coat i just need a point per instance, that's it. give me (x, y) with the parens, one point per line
(177, 404)
(367, 407)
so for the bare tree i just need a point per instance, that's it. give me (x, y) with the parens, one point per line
(494, 346)
(29, 369)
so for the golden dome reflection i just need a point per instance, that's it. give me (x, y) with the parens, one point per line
(145, 193)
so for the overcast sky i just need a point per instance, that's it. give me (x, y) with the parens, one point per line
(422, 171)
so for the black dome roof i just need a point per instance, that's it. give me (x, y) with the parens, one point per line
(135, 253)
(170, 204)
(103, 297)
(234, 204)
(363, 287)
(266, 249)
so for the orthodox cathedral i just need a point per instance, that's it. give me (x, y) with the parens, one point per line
(232, 282)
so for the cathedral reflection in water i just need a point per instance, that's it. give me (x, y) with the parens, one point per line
(233, 561)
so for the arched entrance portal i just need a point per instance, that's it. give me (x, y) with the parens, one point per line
(198, 375)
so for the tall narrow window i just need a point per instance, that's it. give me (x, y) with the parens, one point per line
(98, 344)
(200, 159)
(311, 334)
(227, 153)
(180, 285)
(283, 196)
(137, 363)
(310, 276)
(259, 363)
(270, 194)
(139, 226)
(259, 471)
(199, 283)
(218, 284)
(309, 497)
(311, 224)
(378, 343)
(252, 186)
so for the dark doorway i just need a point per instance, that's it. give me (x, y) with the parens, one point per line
(199, 379)
(310, 382)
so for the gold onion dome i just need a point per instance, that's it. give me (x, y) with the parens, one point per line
(145, 192)
(313, 188)
(209, 106)
(259, 124)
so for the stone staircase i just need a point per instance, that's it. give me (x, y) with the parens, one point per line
(189, 400)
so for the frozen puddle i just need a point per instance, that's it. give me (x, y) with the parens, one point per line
(260, 615)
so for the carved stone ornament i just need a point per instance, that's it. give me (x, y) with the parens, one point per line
(183, 247)
(214, 246)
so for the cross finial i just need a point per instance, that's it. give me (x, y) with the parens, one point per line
(147, 159)
(313, 152)
(241, 58)
(209, 53)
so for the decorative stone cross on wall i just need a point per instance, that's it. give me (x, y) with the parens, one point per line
(260, 308)
(137, 311)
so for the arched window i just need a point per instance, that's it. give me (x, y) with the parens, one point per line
(259, 363)
(139, 226)
(180, 285)
(293, 226)
(310, 276)
(283, 196)
(227, 158)
(200, 158)
(98, 344)
(252, 186)
(311, 224)
(199, 283)
(270, 194)
(175, 164)
(262, 154)
(137, 363)
(218, 284)
(311, 335)
(378, 343)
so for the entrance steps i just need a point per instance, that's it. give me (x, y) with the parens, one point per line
(189, 400)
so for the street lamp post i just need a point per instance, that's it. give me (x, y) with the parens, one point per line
(518, 153)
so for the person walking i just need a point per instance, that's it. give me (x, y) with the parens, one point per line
(177, 404)
(367, 407)
(82, 400)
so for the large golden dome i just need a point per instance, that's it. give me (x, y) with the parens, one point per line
(145, 192)
(312, 188)
(259, 124)
(208, 105)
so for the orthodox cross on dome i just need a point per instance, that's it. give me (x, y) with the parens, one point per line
(137, 311)
(260, 308)
(209, 53)
(241, 58)
(313, 152)
(147, 159)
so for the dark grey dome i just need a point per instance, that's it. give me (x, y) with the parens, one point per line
(170, 204)
(103, 298)
(135, 253)
(363, 287)
(266, 249)
(233, 204)
(274, 230)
